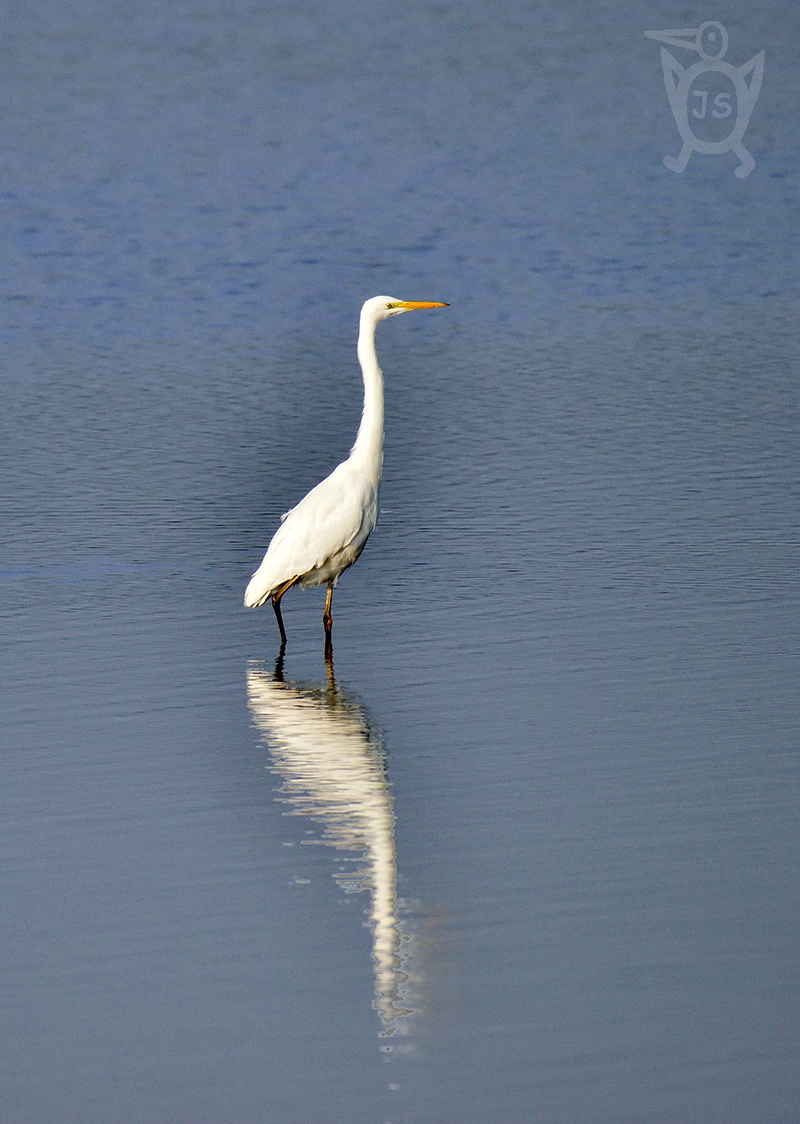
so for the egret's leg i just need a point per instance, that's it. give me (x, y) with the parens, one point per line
(278, 675)
(276, 605)
(327, 620)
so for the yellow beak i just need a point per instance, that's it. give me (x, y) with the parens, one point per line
(422, 304)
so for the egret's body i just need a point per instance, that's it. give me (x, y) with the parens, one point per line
(325, 533)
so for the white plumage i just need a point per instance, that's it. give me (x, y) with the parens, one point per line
(321, 537)
(325, 533)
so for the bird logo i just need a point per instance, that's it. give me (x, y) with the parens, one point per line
(710, 100)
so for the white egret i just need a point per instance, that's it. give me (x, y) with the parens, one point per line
(325, 533)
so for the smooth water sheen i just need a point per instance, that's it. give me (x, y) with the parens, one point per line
(529, 853)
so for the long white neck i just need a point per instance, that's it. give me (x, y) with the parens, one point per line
(368, 449)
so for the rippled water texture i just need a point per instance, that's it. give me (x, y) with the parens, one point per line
(528, 850)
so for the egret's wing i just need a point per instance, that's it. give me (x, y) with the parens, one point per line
(340, 510)
(326, 521)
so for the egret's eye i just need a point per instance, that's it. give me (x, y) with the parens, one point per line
(395, 305)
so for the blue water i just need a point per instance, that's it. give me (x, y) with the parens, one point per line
(531, 853)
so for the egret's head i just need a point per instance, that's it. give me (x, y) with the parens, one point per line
(381, 308)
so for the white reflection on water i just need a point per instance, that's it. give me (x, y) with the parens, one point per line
(334, 769)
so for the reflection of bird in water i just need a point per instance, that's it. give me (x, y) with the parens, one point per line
(333, 767)
(325, 533)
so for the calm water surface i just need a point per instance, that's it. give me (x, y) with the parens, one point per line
(529, 852)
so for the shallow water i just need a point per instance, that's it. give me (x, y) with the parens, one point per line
(531, 853)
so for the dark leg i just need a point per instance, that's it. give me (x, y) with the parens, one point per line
(327, 620)
(276, 605)
(278, 676)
